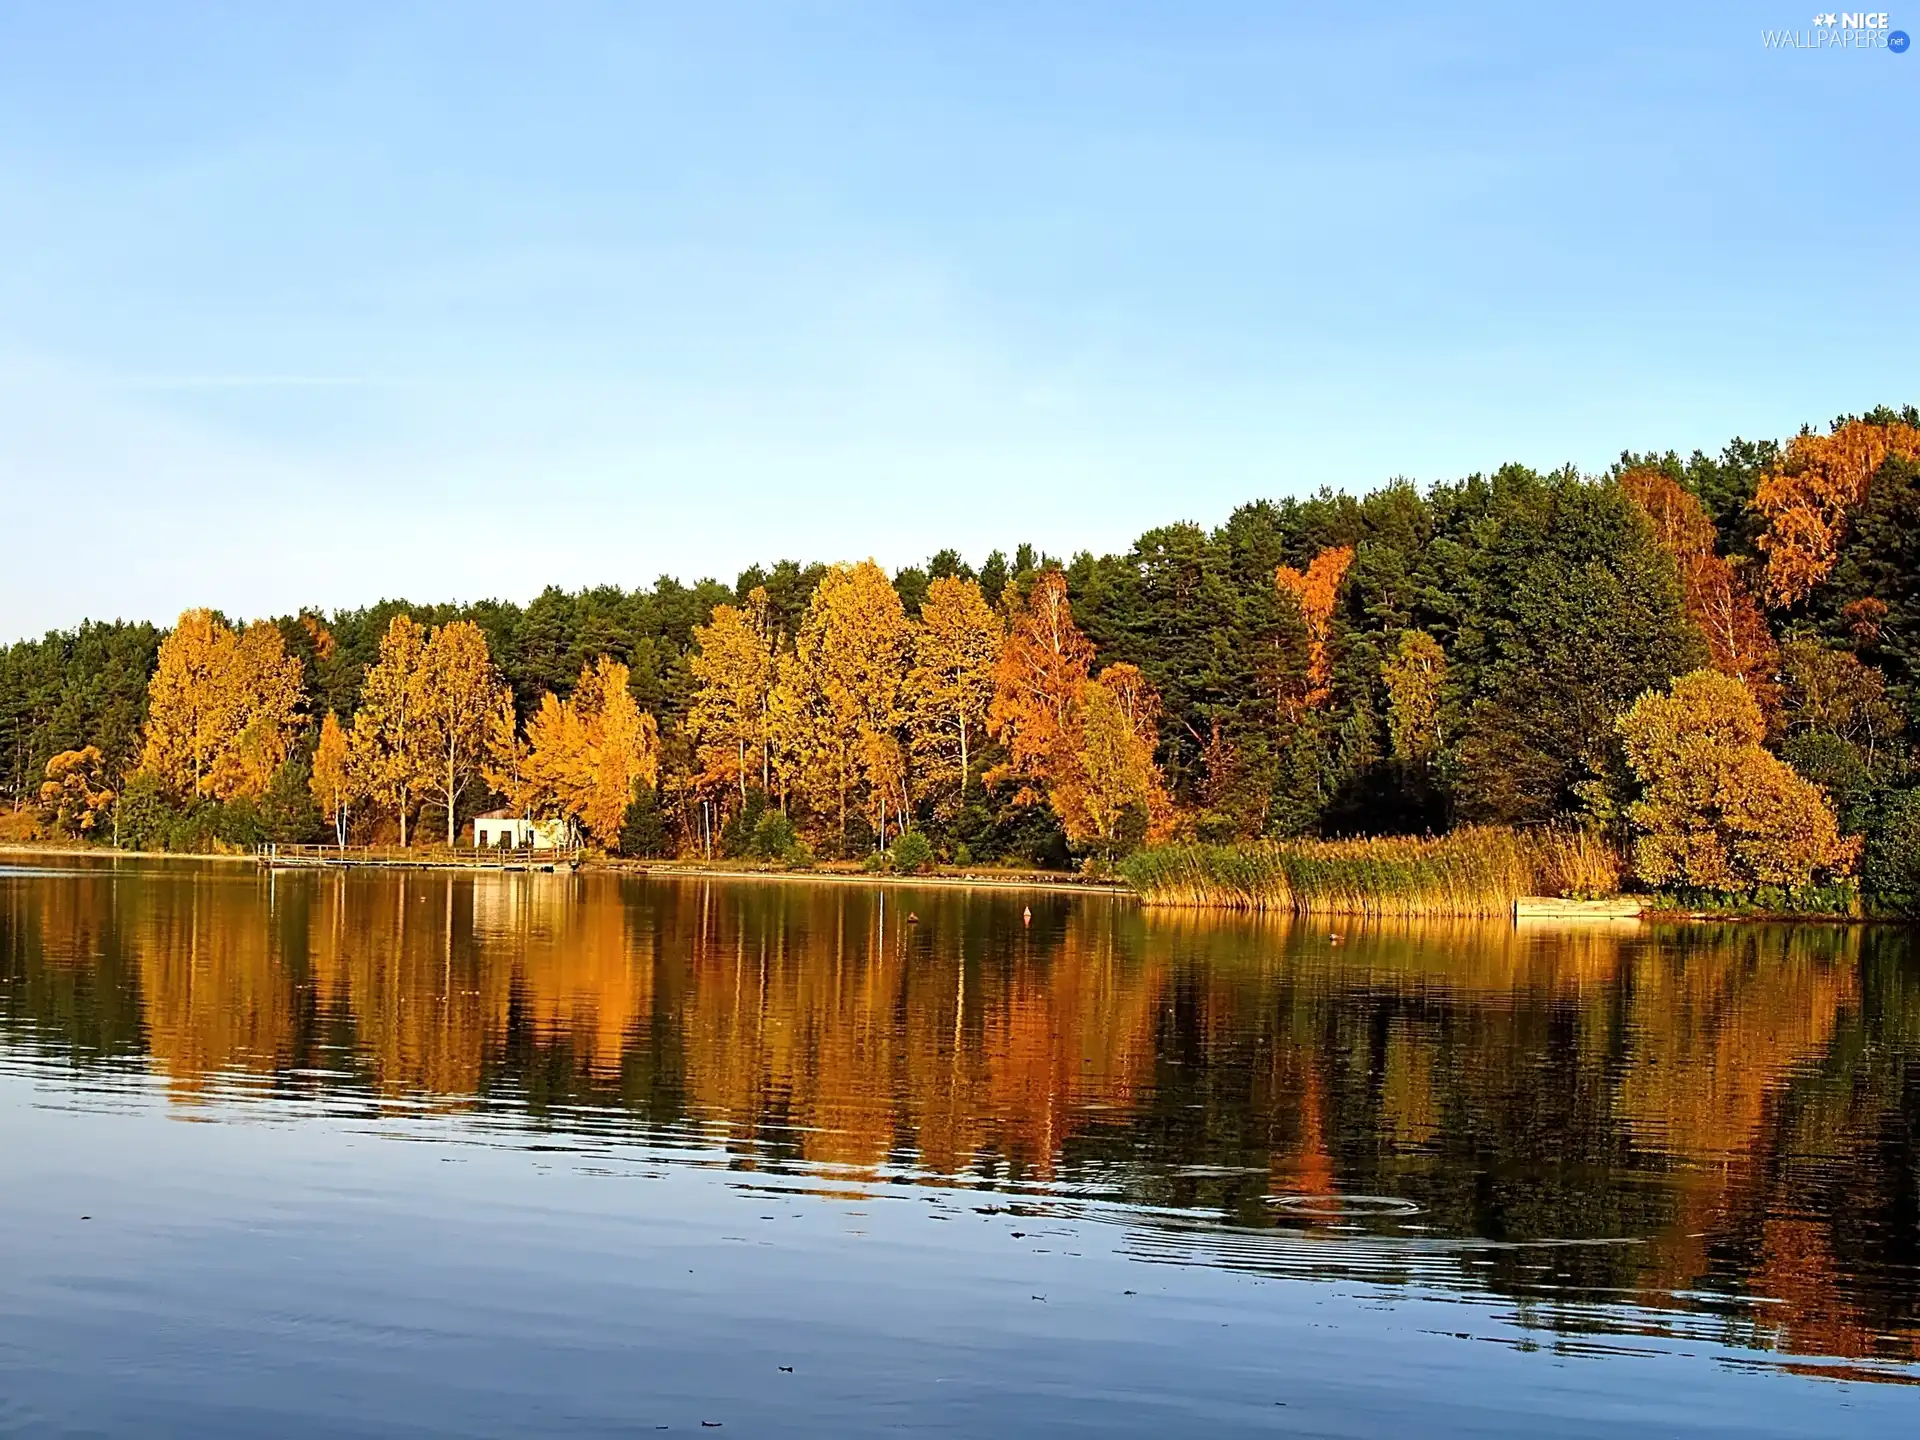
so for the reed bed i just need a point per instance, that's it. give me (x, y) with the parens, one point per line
(1474, 872)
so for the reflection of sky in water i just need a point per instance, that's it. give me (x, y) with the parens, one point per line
(458, 1141)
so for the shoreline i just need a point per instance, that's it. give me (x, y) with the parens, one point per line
(1035, 880)
(969, 880)
(673, 869)
(106, 853)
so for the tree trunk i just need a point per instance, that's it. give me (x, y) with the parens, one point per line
(964, 765)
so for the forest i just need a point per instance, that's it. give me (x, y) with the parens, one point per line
(1700, 670)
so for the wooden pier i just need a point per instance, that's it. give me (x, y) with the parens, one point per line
(1552, 907)
(394, 857)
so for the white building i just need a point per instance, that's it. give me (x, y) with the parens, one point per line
(502, 829)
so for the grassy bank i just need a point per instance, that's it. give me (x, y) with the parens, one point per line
(1478, 871)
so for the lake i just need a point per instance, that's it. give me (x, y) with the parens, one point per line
(424, 1154)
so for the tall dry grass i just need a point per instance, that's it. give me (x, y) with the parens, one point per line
(1474, 872)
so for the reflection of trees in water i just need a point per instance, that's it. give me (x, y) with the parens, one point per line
(68, 977)
(1743, 1100)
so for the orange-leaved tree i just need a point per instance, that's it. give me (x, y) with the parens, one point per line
(625, 741)
(1805, 497)
(1083, 743)
(1716, 810)
(1043, 668)
(585, 754)
(1315, 590)
(222, 708)
(1715, 592)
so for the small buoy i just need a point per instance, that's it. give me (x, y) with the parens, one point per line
(1026, 916)
(912, 919)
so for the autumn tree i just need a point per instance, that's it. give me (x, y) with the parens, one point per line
(1415, 676)
(1316, 590)
(75, 794)
(1805, 498)
(956, 648)
(390, 745)
(842, 711)
(555, 773)
(815, 759)
(1834, 690)
(1042, 671)
(1833, 700)
(222, 708)
(624, 742)
(1110, 796)
(334, 783)
(586, 754)
(1716, 810)
(457, 707)
(732, 664)
(1715, 592)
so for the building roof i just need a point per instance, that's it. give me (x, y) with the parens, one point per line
(501, 814)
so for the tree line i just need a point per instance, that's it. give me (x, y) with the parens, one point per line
(1711, 659)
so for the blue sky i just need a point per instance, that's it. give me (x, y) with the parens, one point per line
(311, 306)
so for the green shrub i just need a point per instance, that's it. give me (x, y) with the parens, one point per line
(146, 814)
(736, 836)
(773, 838)
(912, 853)
(643, 829)
(1891, 870)
(287, 813)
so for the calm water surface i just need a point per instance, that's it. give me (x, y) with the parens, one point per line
(394, 1154)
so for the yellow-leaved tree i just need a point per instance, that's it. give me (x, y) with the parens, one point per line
(1112, 797)
(222, 708)
(815, 760)
(75, 794)
(842, 714)
(956, 649)
(1415, 675)
(389, 740)
(457, 708)
(334, 784)
(625, 743)
(733, 664)
(1717, 811)
(584, 755)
